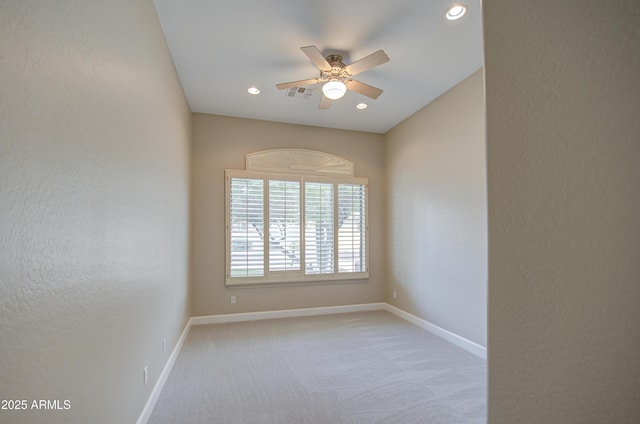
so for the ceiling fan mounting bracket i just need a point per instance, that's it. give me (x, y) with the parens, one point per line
(335, 60)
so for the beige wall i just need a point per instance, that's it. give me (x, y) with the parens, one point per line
(94, 174)
(436, 230)
(563, 150)
(221, 143)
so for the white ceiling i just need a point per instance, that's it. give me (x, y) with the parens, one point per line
(222, 47)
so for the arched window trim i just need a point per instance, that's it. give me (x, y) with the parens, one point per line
(299, 161)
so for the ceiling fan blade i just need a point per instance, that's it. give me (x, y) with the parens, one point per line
(300, 83)
(374, 59)
(325, 102)
(316, 57)
(364, 89)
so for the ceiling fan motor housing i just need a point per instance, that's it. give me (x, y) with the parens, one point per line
(337, 72)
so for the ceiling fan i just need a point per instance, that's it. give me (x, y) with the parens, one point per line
(337, 76)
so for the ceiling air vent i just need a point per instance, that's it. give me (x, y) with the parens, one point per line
(299, 92)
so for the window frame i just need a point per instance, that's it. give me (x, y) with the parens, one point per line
(283, 277)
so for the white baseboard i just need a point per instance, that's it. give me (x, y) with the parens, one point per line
(288, 313)
(155, 393)
(453, 338)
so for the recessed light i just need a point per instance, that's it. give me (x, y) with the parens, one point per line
(456, 12)
(361, 106)
(253, 90)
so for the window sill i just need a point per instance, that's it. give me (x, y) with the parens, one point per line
(284, 283)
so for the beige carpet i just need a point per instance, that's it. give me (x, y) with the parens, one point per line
(368, 367)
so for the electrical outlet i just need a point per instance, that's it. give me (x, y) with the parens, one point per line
(232, 299)
(395, 295)
(145, 375)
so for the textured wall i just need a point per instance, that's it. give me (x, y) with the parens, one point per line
(435, 192)
(563, 150)
(94, 181)
(221, 143)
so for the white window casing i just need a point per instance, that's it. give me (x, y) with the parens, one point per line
(289, 227)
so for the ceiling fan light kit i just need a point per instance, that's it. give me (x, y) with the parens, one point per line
(337, 76)
(334, 89)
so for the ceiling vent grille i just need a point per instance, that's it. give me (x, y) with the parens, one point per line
(299, 92)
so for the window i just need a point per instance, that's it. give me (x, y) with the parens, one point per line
(295, 228)
(247, 227)
(352, 223)
(319, 237)
(284, 226)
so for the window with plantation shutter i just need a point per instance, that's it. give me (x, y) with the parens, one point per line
(294, 227)
(246, 227)
(284, 226)
(319, 235)
(352, 251)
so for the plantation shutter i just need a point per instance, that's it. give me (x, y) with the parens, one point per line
(284, 226)
(246, 227)
(351, 228)
(319, 233)
(287, 228)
